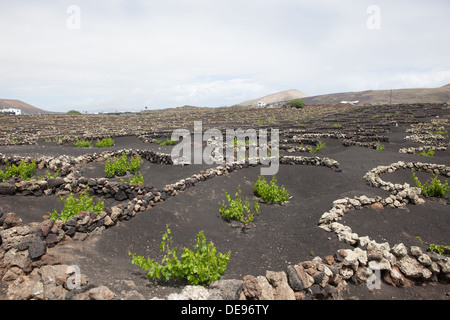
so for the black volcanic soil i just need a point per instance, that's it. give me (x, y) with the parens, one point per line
(279, 236)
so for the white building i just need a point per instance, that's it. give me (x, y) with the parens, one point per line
(261, 104)
(16, 112)
(352, 103)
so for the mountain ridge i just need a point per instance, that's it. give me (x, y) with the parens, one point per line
(27, 109)
(386, 96)
(276, 97)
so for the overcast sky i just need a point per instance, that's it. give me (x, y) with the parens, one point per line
(106, 55)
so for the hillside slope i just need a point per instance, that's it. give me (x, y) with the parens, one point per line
(281, 96)
(26, 108)
(397, 96)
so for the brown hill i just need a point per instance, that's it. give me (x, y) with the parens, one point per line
(26, 108)
(281, 96)
(397, 96)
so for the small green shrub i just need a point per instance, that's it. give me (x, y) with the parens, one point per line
(73, 112)
(73, 205)
(83, 144)
(120, 166)
(135, 164)
(319, 146)
(438, 132)
(48, 175)
(136, 179)
(379, 146)
(168, 142)
(270, 192)
(236, 210)
(104, 143)
(200, 266)
(435, 188)
(437, 248)
(23, 170)
(429, 153)
(296, 103)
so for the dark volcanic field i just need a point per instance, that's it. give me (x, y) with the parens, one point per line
(282, 234)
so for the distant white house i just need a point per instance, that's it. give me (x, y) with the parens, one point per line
(16, 112)
(350, 102)
(261, 104)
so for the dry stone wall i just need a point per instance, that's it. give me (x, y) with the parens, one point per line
(31, 273)
(24, 263)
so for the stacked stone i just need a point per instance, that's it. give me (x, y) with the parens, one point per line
(342, 206)
(314, 161)
(302, 140)
(371, 145)
(64, 164)
(328, 278)
(400, 196)
(413, 150)
(291, 149)
(63, 186)
(423, 133)
(25, 266)
(399, 266)
(328, 135)
(373, 176)
(31, 273)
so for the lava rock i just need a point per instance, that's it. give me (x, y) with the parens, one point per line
(55, 182)
(37, 249)
(7, 189)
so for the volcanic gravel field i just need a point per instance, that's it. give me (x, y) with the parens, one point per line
(281, 235)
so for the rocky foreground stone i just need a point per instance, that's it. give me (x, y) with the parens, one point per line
(31, 272)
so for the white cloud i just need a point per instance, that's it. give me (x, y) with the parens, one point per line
(132, 54)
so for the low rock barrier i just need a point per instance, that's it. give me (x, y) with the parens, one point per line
(399, 265)
(31, 273)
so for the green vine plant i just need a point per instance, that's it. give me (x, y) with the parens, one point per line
(48, 175)
(270, 192)
(429, 153)
(236, 210)
(136, 179)
(83, 144)
(23, 170)
(168, 142)
(120, 166)
(200, 266)
(72, 206)
(104, 143)
(437, 248)
(379, 146)
(435, 188)
(319, 146)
